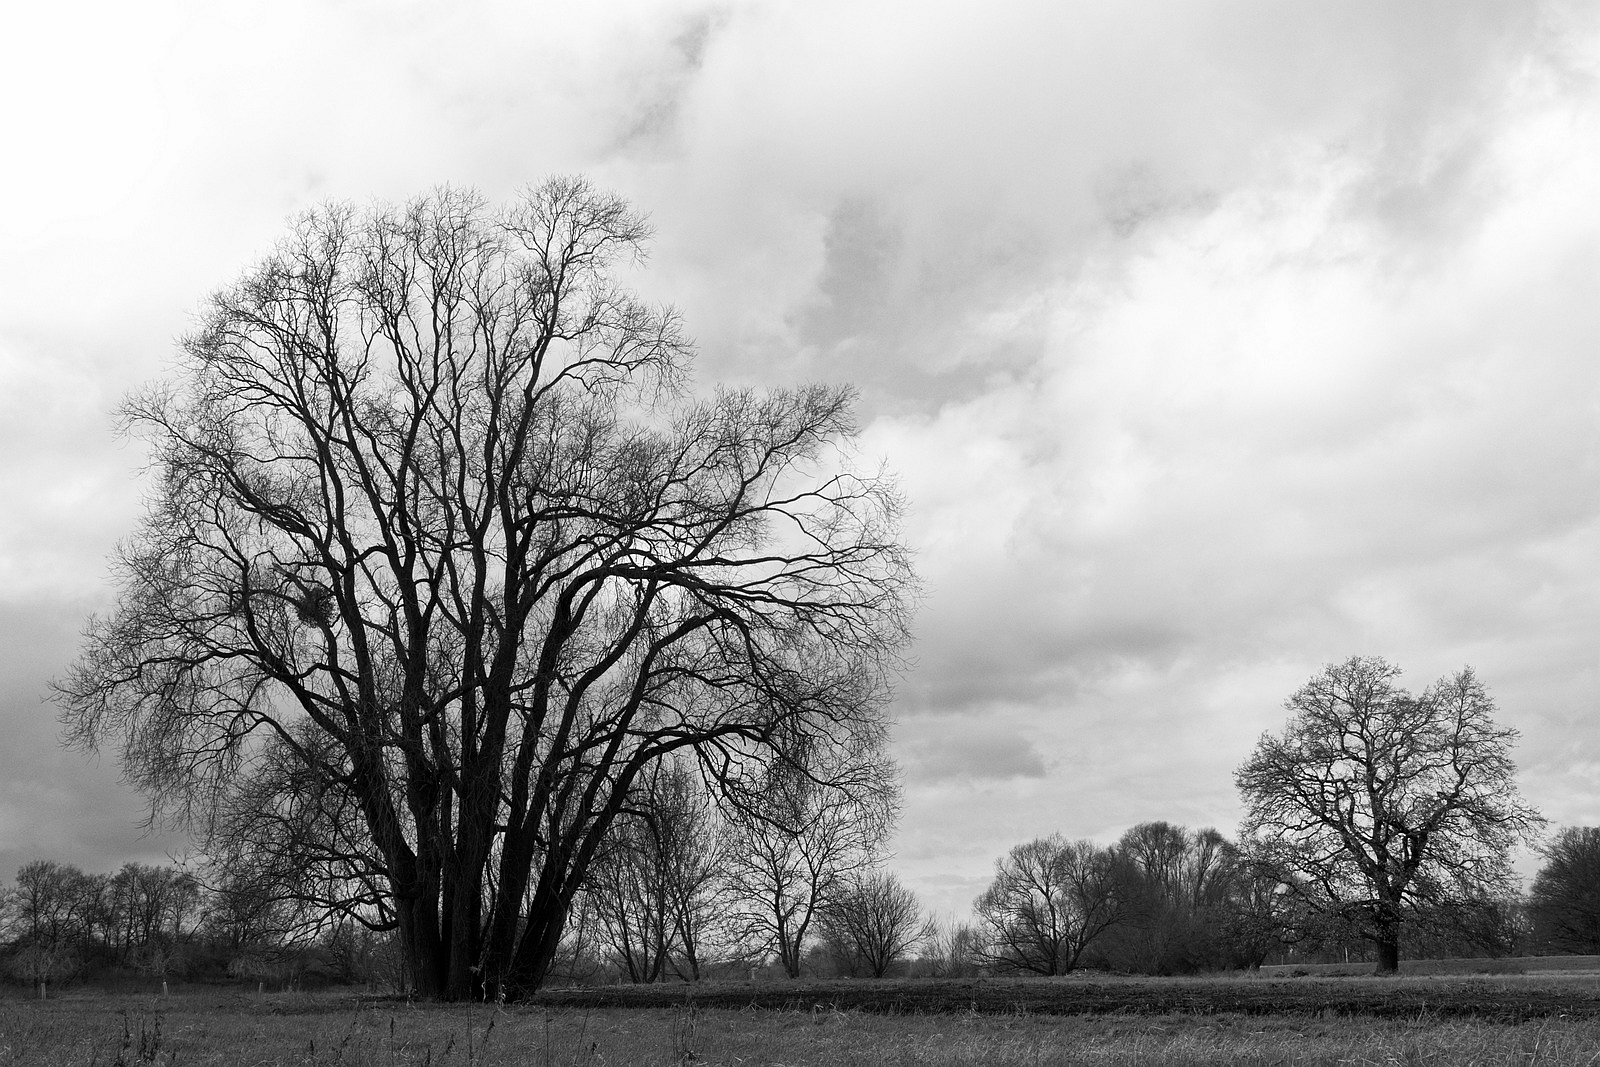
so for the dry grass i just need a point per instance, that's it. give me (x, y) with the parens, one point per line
(229, 1030)
(1489, 966)
(1499, 998)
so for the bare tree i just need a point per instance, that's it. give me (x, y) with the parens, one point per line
(952, 950)
(651, 887)
(54, 903)
(871, 923)
(789, 857)
(441, 558)
(1564, 902)
(153, 910)
(1258, 914)
(248, 919)
(1374, 803)
(53, 911)
(627, 896)
(1050, 899)
(694, 847)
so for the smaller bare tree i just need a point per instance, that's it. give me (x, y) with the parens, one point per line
(653, 888)
(54, 908)
(952, 949)
(628, 898)
(694, 846)
(1050, 899)
(790, 856)
(872, 923)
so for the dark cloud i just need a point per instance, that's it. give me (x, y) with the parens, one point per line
(971, 756)
(57, 803)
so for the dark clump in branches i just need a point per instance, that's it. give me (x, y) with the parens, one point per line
(442, 559)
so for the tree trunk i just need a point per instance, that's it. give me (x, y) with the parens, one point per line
(1388, 942)
(536, 954)
(788, 951)
(463, 932)
(419, 932)
(1386, 934)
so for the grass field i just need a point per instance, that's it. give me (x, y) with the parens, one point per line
(1503, 965)
(1497, 998)
(1153, 1021)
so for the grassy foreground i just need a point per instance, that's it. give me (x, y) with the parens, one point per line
(228, 1029)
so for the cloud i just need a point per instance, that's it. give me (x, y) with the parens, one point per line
(1211, 341)
(971, 755)
(55, 803)
(1000, 144)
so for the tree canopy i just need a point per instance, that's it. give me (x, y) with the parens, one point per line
(1564, 901)
(1050, 899)
(442, 554)
(1373, 803)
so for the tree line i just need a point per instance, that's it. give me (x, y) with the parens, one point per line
(1377, 822)
(1162, 900)
(60, 922)
(1375, 818)
(681, 890)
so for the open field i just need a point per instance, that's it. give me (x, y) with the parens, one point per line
(1345, 1026)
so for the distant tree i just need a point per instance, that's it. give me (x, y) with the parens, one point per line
(694, 847)
(1185, 893)
(1052, 898)
(243, 919)
(52, 903)
(872, 923)
(1564, 903)
(54, 909)
(628, 897)
(652, 888)
(442, 556)
(1374, 804)
(952, 949)
(155, 908)
(1259, 915)
(790, 854)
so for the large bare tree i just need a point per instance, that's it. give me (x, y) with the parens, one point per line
(441, 556)
(1374, 803)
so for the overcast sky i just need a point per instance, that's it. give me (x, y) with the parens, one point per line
(1210, 341)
